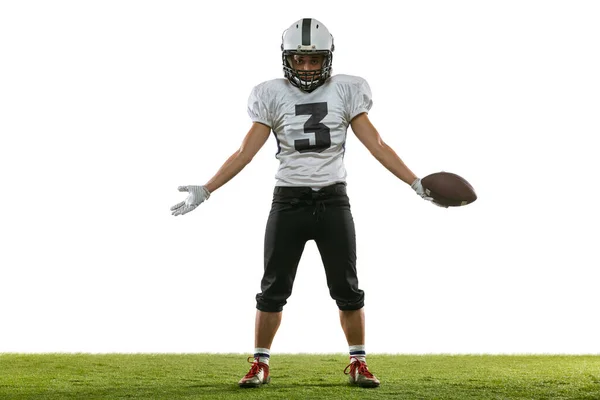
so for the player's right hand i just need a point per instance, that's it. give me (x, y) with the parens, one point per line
(197, 195)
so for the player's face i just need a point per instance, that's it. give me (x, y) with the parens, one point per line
(306, 63)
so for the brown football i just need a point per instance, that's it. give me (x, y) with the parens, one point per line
(449, 189)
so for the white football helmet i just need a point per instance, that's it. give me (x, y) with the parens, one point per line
(307, 37)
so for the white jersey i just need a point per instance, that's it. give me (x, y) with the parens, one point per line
(310, 128)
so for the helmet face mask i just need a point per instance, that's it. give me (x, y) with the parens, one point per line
(306, 80)
(307, 37)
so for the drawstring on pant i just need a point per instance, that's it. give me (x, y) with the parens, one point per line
(319, 208)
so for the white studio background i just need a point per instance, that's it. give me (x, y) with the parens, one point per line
(106, 107)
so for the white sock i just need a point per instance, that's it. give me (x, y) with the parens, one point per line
(358, 352)
(262, 354)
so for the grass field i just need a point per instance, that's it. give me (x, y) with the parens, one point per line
(206, 376)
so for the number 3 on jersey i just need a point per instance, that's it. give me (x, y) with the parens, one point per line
(317, 112)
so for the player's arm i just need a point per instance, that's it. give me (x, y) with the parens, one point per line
(254, 140)
(368, 135)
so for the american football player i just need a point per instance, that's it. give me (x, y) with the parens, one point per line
(308, 111)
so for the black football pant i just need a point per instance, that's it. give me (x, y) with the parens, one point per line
(299, 214)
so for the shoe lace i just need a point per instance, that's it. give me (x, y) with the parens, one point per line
(362, 369)
(255, 369)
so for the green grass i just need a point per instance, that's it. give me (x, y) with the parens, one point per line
(206, 376)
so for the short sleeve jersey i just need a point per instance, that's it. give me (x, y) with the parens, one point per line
(310, 128)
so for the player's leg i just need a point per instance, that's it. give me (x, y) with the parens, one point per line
(266, 325)
(336, 240)
(353, 325)
(286, 235)
(265, 328)
(285, 238)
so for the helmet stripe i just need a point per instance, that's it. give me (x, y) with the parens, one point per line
(306, 31)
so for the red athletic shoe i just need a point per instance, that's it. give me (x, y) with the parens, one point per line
(258, 375)
(359, 375)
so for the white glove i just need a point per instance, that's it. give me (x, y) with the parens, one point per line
(418, 187)
(197, 195)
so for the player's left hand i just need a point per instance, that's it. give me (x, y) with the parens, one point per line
(417, 186)
(197, 195)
